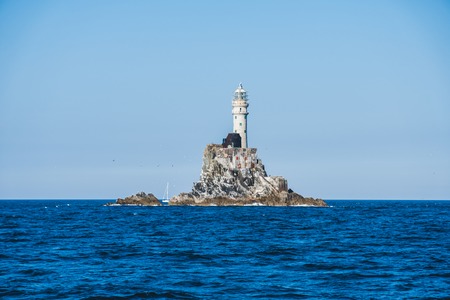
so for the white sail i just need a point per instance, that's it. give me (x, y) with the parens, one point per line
(166, 194)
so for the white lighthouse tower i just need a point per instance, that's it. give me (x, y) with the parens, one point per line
(240, 113)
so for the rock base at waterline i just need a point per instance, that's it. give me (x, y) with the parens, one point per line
(284, 199)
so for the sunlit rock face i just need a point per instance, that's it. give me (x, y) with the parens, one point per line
(235, 176)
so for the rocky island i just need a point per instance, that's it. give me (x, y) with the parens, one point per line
(140, 199)
(235, 176)
(232, 174)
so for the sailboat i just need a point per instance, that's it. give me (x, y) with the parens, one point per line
(166, 198)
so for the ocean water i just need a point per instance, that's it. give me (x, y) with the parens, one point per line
(352, 250)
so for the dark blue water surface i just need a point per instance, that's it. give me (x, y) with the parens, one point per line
(353, 250)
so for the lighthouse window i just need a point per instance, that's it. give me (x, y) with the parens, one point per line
(245, 131)
(235, 117)
(240, 124)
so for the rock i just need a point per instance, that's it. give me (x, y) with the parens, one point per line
(235, 176)
(140, 199)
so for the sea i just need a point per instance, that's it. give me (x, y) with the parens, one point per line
(354, 249)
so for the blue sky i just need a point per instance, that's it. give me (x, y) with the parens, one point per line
(103, 99)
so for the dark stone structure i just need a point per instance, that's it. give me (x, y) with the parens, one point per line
(233, 140)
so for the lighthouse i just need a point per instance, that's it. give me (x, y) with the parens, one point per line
(240, 113)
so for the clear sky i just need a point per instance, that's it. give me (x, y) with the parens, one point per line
(103, 99)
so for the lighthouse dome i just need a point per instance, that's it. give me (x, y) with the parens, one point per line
(240, 93)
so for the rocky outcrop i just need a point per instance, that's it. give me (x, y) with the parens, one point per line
(140, 199)
(235, 176)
